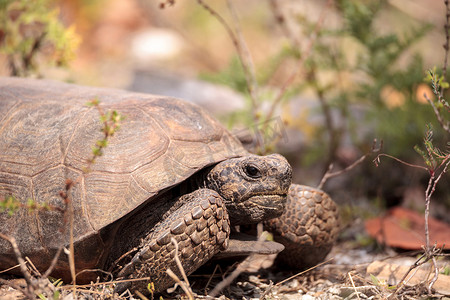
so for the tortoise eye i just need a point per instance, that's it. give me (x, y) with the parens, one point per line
(252, 171)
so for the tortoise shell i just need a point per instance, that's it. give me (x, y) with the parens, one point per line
(46, 137)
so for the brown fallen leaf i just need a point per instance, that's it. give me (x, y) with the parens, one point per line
(405, 229)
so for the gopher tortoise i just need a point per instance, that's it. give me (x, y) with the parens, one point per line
(171, 171)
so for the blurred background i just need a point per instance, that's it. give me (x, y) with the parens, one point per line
(317, 81)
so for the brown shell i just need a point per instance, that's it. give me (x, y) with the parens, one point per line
(46, 136)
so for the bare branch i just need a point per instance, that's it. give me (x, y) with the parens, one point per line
(245, 52)
(429, 252)
(447, 40)
(241, 267)
(281, 20)
(377, 161)
(242, 54)
(432, 182)
(28, 291)
(328, 174)
(301, 61)
(19, 257)
(400, 285)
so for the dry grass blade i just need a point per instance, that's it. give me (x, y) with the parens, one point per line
(53, 263)
(353, 285)
(106, 283)
(9, 269)
(19, 257)
(141, 295)
(229, 279)
(96, 271)
(177, 260)
(72, 250)
(32, 267)
(216, 268)
(241, 267)
(303, 272)
(29, 290)
(183, 284)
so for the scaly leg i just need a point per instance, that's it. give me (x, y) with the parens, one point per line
(200, 227)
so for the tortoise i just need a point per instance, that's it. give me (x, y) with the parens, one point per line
(171, 172)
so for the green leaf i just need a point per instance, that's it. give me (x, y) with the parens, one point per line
(446, 271)
(45, 206)
(56, 295)
(151, 288)
(393, 287)
(31, 204)
(93, 102)
(102, 143)
(96, 151)
(42, 297)
(375, 280)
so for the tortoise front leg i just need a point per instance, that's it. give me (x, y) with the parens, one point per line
(200, 227)
(308, 228)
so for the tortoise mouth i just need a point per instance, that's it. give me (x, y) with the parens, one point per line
(257, 208)
(267, 200)
(273, 203)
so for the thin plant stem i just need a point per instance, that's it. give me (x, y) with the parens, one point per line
(446, 46)
(445, 125)
(244, 57)
(300, 63)
(28, 291)
(328, 174)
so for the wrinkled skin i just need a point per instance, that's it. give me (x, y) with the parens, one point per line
(254, 188)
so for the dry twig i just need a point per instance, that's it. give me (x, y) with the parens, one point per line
(300, 63)
(183, 284)
(111, 123)
(430, 253)
(328, 174)
(353, 285)
(240, 268)
(446, 46)
(303, 272)
(244, 57)
(29, 291)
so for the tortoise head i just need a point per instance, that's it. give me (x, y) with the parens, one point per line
(254, 187)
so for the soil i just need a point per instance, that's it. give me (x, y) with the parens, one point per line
(348, 273)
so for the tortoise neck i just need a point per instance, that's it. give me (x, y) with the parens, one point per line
(201, 180)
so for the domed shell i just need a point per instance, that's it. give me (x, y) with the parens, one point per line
(46, 136)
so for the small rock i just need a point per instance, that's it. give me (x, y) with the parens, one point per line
(393, 272)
